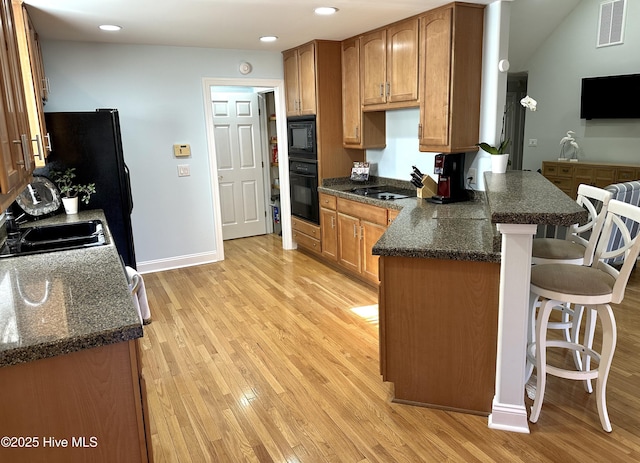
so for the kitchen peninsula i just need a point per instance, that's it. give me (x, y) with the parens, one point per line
(70, 366)
(446, 310)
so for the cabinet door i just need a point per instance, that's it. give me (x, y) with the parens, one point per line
(371, 233)
(291, 79)
(349, 248)
(402, 62)
(351, 110)
(329, 233)
(373, 54)
(436, 69)
(307, 79)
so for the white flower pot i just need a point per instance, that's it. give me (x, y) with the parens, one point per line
(499, 163)
(70, 205)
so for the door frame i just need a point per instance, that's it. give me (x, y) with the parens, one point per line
(208, 83)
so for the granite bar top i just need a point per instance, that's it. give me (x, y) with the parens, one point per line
(457, 231)
(524, 197)
(64, 301)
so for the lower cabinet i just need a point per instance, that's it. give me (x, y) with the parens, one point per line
(568, 176)
(360, 226)
(89, 405)
(306, 234)
(329, 227)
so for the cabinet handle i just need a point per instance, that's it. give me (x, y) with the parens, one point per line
(381, 89)
(419, 131)
(46, 87)
(388, 89)
(333, 222)
(355, 230)
(48, 137)
(357, 130)
(361, 232)
(38, 141)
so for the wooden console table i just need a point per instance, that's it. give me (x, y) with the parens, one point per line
(568, 175)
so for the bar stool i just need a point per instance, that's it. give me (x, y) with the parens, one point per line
(577, 248)
(595, 287)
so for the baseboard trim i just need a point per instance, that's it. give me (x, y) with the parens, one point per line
(171, 263)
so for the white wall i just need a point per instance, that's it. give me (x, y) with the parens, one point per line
(555, 73)
(158, 92)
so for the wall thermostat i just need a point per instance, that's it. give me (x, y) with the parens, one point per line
(181, 150)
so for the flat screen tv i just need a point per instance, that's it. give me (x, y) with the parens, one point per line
(611, 97)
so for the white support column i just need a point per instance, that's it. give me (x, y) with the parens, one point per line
(508, 411)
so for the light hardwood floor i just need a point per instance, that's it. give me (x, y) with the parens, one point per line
(271, 356)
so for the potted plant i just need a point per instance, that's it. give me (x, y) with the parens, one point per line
(71, 192)
(500, 159)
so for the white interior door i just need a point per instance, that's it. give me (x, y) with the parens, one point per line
(236, 127)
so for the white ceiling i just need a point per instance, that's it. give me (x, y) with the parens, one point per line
(238, 24)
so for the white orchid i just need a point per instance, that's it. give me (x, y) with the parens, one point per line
(529, 103)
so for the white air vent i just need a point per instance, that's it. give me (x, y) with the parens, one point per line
(611, 23)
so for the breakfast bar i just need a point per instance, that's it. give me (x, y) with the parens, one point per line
(454, 291)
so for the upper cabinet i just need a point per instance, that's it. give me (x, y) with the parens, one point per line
(300, 80)
(389, 66)
(359, 130)
(450, 78)
(15, 136)
(34, 81)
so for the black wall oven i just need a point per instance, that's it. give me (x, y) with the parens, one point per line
(303, 168)
(303, 177)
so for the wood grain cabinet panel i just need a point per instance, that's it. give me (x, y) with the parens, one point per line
(300, 80)
(359, 129)
(450, 78)
(329, 233)
(389, 66)
(568, 176)
(92, 393)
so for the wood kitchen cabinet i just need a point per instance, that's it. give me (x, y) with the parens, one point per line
(450, 78)
(389, 66)
(568, 176)
(359, 129)
(329, 227)
(360, 226)
(16, 155)
(300, 80)
(96, 396)
(34, 81)
(306, 234)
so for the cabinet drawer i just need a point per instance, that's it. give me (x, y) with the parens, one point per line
(627, 175)
(366, 212)
(307, 242)
(305, 227)
(562, 183)
(328, 201)
(564, 171)
(549, 170)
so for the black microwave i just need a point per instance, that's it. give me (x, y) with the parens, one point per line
(301, 137)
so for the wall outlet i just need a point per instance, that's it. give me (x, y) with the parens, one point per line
(472, 176)
(533, 142)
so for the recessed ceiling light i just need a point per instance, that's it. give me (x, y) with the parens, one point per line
(268, 38)
(325, 10)
(110, 27)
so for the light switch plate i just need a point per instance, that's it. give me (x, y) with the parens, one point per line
(181, 150)
(184, 170)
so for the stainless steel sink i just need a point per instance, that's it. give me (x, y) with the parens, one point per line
(58, 237)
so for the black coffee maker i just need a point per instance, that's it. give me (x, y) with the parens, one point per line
(450, 171)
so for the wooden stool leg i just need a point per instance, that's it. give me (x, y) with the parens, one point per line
(541, 356)
(609, 338)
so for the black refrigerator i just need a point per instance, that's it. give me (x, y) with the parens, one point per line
(90, 141)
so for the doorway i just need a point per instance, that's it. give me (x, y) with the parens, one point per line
(211, 86)
(515, 118)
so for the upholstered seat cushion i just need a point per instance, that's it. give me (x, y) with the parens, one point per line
(554, 248)
(572, 279)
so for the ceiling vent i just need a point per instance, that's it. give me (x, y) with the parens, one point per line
(611, 23)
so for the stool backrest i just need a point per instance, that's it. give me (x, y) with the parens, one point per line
(619, 218)
(595, 201)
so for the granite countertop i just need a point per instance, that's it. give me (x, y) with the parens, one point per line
(64, 301)
(466, 230)
(524, 197)
(457, 231)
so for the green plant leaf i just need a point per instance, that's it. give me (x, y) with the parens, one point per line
(488, 148)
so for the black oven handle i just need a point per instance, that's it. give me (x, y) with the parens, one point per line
(302, 175)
